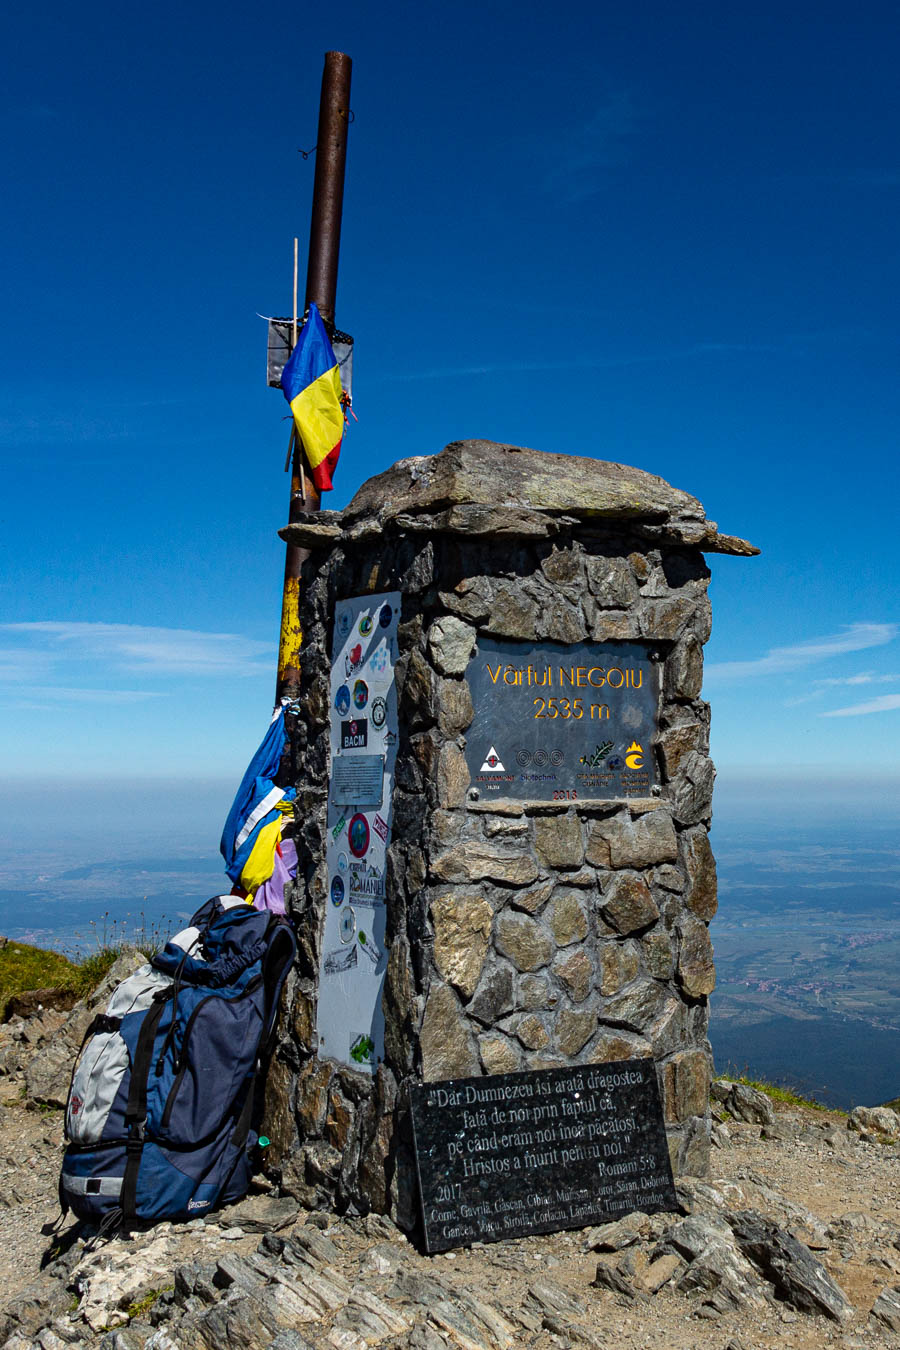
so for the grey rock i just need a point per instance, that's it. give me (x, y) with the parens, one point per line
(523, 940)
(619, 964)
(477, 860)
(692, 798)
(621, 1233)
(683, 674)
(512, 614)
(534, 898)
(446, 1045)
(886, 1308)
(550, 1297)
(498, 1053)
(574, 1028)
(715, 1266)
(612, 1046)
(702, 896)
(568, 918)
(627, 904)
(534, 992)
(612, 582)
(696, 967)
(876, 1120)
(494, 996)
(576, 974)
(262, 1213)
(462, 932)
(558, 842)
(450, 644)
(487, 474)
(749, 1104)
(608, 1277)
(625, 841)
(798, 1278)
(455, 709)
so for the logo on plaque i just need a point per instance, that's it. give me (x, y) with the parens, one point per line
(492, 762)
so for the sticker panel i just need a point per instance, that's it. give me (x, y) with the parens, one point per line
(363, 743)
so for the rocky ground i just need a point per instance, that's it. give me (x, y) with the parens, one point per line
(795, 1242)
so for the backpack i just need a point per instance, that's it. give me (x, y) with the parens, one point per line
(161, 1103)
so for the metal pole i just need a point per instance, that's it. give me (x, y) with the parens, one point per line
(321, 287)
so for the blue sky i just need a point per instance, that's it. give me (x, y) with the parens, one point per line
(663, 235)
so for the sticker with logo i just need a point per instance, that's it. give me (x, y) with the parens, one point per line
(348, 924)
(355, 734)
(342, 701)
(353, 660)
(378, 661)
(335, 833)
(337, 891)
(358, 835)
(343, 862)
(595, 758)
(345, 958)
(381, 828)
(390, 738)
(360, 694)
(344, 623)
(385, 614)
(365, 625)
(362, 1048)
(366, 886)
(199, 1204)
(378, 713)
(369, 946)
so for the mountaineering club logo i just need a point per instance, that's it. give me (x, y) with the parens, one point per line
(634, 756)
(492, 762)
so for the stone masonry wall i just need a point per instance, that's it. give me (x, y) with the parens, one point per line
(520, 936)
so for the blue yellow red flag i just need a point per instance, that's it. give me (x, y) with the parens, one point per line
(311, 382)
(253, 827)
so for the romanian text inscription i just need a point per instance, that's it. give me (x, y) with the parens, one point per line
(562, 722)
(522, 1153)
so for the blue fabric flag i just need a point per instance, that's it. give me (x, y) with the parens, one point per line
(254, 803)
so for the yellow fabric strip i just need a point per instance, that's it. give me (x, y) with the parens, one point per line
(319, 416)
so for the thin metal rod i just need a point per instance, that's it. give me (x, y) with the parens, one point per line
(294, 326)
(328, 188)
(321, 288)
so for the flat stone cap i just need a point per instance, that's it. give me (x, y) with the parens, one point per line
(482, 487)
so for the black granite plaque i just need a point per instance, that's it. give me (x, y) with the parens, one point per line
(520, 1153)
(562, 722)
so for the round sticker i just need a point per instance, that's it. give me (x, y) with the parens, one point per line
(358, 836)
(385, 616)
(343, 862)
(342, 700)
(348, 924)
(365, 626)
(378, 713)
(360, 694)
(356, 654)
(343, 623)
(337, 890)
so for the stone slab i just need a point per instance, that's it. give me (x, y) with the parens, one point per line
(512, 1154)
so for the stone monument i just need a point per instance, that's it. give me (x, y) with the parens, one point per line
(503, 797)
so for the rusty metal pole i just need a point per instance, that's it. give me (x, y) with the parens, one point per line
(321, 288)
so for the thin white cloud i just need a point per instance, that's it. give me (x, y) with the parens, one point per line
(779, 660)
(866, 677)
(123, 647)
(60, 694)
(884, 703)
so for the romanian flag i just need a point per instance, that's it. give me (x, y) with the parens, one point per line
(312, 386)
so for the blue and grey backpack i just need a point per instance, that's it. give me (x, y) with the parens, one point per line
(160, 1114)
